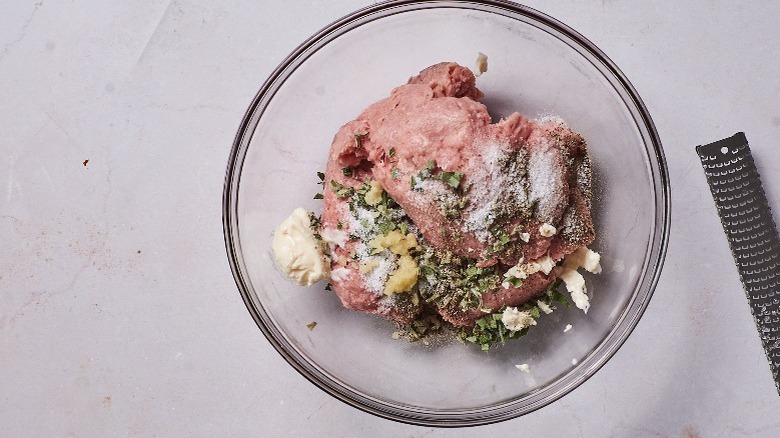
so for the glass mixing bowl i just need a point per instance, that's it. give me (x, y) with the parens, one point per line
(537, 66)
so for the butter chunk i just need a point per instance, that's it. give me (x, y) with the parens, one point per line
(298, 252)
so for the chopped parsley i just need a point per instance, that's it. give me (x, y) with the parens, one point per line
(488, 331)
(451, 178)
(347, 171)
(314, 224)
(514, 281)
(391, 152)
(318, 196)
(427, 171)
(394, 173)
(311, 325)
(341, 190)
(386, 227)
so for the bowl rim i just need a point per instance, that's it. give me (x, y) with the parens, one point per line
(617, 336)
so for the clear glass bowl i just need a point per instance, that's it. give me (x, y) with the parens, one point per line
(536, 66)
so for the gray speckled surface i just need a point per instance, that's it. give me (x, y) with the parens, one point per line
(119, 314)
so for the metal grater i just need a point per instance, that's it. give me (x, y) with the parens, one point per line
(751, 232)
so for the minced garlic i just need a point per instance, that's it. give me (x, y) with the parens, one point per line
(403, 278)
(374, 195)
(395, 241)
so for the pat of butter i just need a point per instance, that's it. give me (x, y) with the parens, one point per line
(297, 251)
(521, 271)
(515, 319)
(374, 195)
(481, 64)
(575, 282)
(585, 258)
(547, 230)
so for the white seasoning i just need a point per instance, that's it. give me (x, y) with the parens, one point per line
(524, 368)
(574, 361)
(376, 278)
(489, 185)
(546, 181)
(525, 237)
(549, 118)
(568, 327)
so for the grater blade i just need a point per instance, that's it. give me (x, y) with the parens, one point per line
(751, 232)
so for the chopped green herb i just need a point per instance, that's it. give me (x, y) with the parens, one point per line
(328, 286)
(340, 225)
(318, 196)
(514, 281)
(347, 171)
(427, 171)
(391, 152)
(412, 182)
(311, 325)
(386, 227)
(321, 176)
(341, 190)
(404, 228)
(394, 173)
(314, 221)
(554, 295)
(451, 178)
(427, 271)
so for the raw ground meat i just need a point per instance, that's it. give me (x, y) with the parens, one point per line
(517, 174)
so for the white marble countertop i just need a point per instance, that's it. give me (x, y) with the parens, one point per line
(119, 313)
